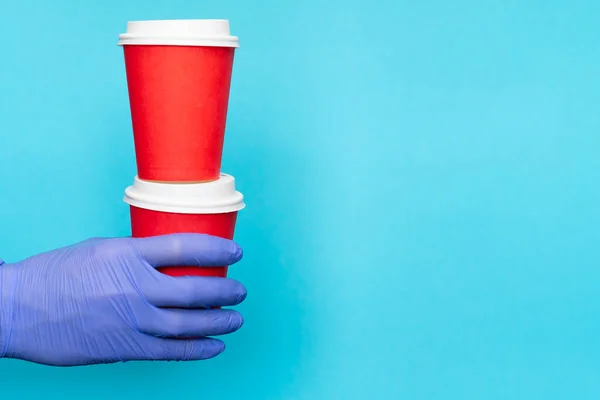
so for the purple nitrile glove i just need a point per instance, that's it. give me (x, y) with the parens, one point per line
(102, 301)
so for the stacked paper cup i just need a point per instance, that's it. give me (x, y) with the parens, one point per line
(178, 77)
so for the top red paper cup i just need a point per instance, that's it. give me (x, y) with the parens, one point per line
(178, 77)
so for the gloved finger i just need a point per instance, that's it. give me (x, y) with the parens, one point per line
(87, 242)
(188, 249)
(159, 349)
(193, 292)
(177, 323)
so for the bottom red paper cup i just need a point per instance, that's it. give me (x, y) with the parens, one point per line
(162, 208)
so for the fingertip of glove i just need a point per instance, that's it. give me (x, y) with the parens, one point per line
(219, 348)
(236, 253)
(242, 293)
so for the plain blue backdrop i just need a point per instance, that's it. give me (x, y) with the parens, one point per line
(422, 181)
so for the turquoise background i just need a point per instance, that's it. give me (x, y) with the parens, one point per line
(421, 180)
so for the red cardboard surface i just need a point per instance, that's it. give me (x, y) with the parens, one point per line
(179, 97)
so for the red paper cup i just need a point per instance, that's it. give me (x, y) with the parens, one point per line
(160, 209)
(179, 76)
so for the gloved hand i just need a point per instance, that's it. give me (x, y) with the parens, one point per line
(102, 301)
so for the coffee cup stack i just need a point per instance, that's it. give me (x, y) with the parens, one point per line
(178, 78)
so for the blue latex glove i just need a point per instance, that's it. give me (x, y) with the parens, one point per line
(102, 301)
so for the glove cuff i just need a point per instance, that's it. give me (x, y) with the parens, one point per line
(7, 289)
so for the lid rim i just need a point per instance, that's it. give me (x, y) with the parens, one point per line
(184, 210)
(214, 197)
(179, 42)
(235, 198)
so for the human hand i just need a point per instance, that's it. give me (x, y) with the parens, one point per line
(102, 301)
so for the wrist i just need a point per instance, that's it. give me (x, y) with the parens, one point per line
(6, 307)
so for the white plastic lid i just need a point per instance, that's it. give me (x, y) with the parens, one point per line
(216, 197)
(179, 32)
